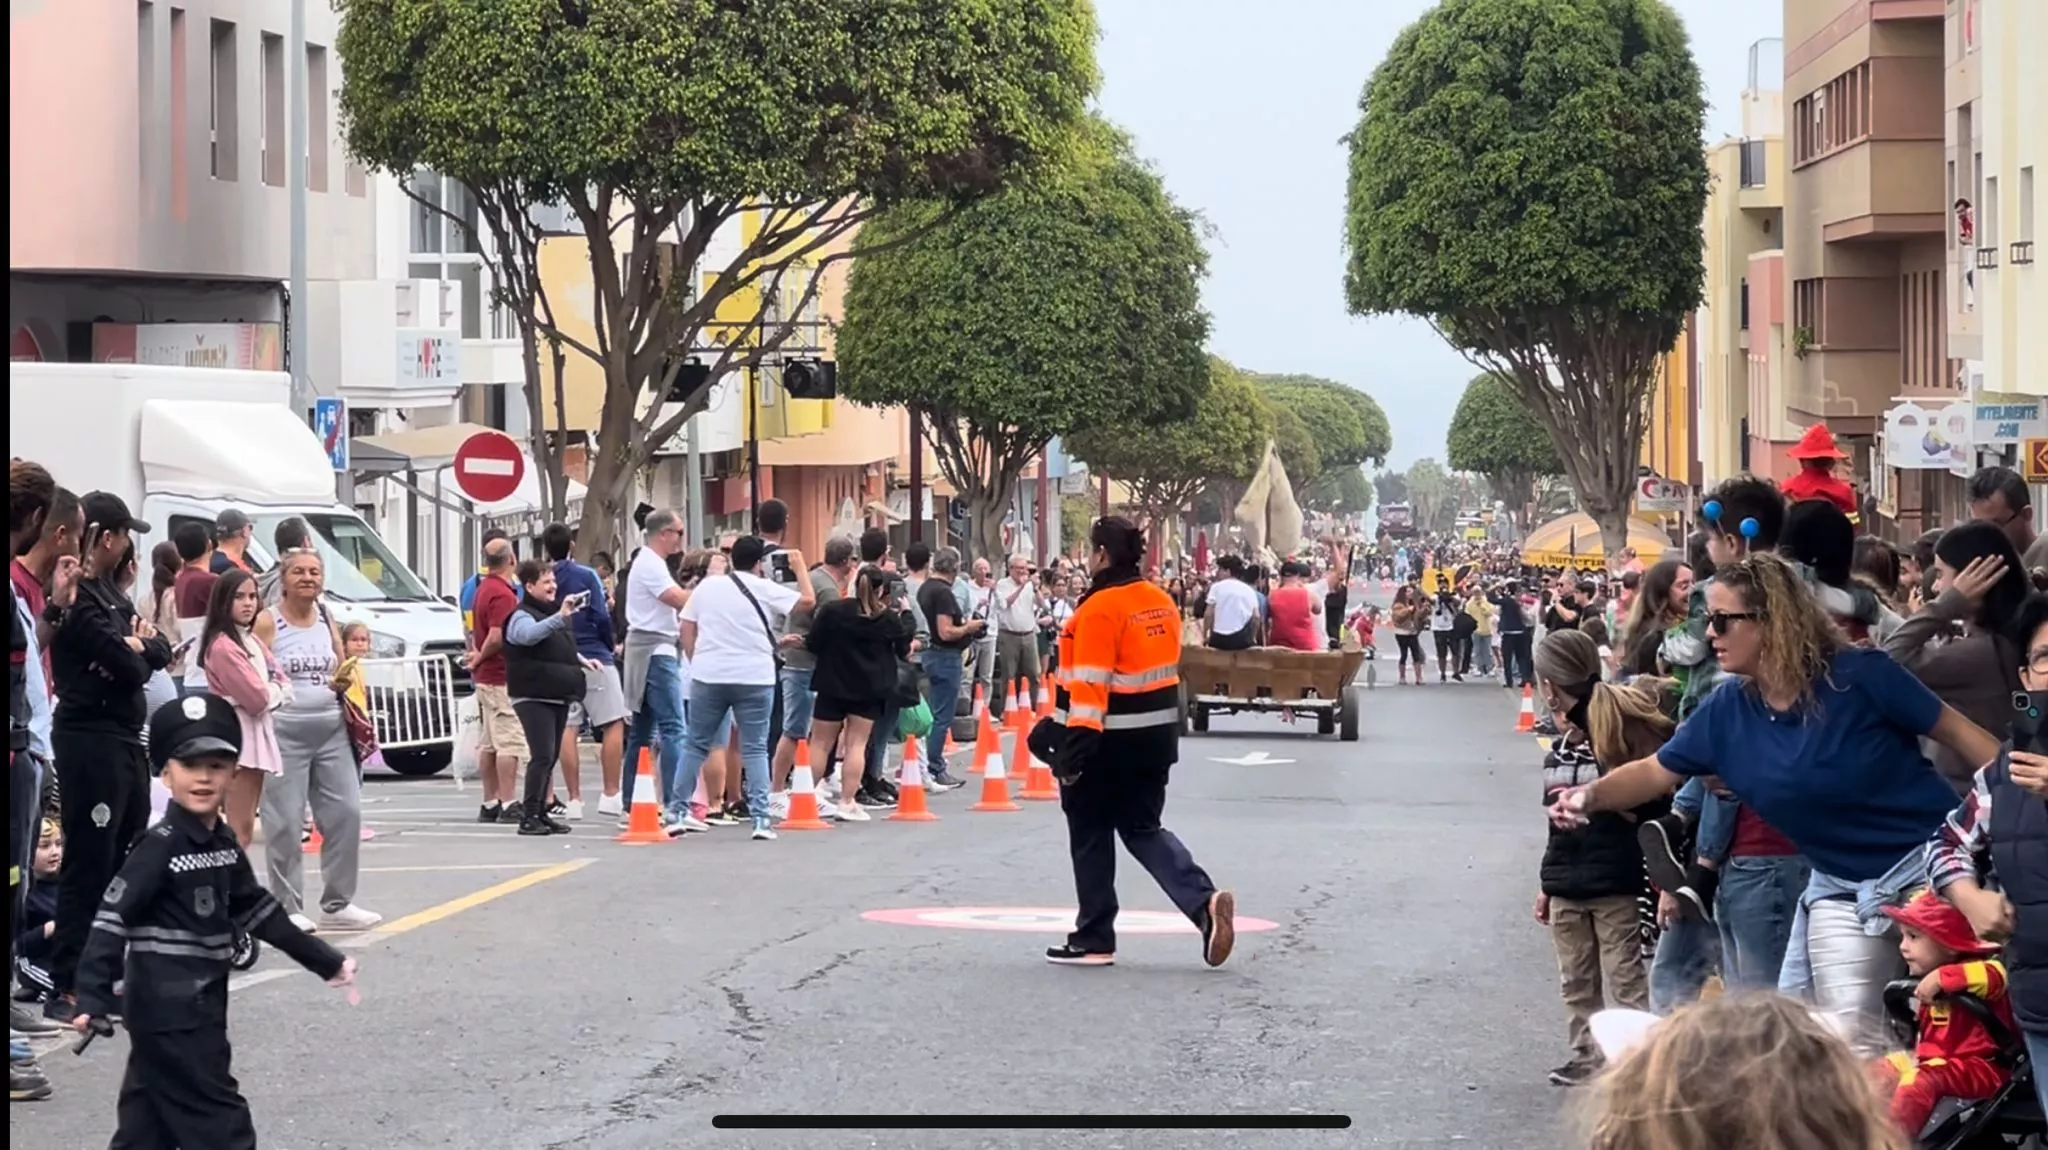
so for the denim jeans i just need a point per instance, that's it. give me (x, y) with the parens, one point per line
(1849, 968)
(1754, 908)
(750, 706)
(797, 701)
(1714, 815)
(660, 716)
(1687, 952)
(2037, 1053)
(942, 692)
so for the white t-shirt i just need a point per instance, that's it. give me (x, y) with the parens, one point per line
(732, 645)
(645, 582)
(1235, 603)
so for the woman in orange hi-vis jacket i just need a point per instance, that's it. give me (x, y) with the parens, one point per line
(1112, 738)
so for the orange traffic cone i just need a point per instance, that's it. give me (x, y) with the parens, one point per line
(803, 795)
(1044, 700)
(643, 822)
(910, 796)
(1016, 701)
(987, 744)
(1525, 723)
(1039, 785)
(995, 789)
(314, 843)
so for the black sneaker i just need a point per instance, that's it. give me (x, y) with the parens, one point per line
(942, 781)
(490, 813)
(1547, 728)
(538, 827)
(1575, 1073)
(740, 810)
(513, 813)
(1697, 891)
(60, 1009)
(557, 808)
(723, 817)
(872, 801)
(1068, 956)
(884, 788)
(1219, 928)
(1666, 845)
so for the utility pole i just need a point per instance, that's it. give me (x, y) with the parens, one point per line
(295, 180)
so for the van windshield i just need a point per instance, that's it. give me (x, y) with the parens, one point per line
(358, 567)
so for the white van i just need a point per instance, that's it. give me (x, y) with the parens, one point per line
(184, 444)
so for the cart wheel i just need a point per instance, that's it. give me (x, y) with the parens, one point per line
(1198, 718)
(246, 951)
(1347, 716)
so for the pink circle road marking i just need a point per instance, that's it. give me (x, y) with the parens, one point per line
(1044, 920)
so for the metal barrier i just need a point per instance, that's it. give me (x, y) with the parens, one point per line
(412, 701)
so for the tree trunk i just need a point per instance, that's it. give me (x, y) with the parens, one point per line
(1613, 521)
(985, 508)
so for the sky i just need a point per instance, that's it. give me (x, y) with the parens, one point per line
(1242, 109)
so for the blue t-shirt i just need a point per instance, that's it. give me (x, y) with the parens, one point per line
(1844, 780)
(593, 624)
(467, 601)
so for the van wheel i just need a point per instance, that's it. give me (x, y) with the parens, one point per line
(419, 762)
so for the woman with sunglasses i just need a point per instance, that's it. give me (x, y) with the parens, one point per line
(1823, 740)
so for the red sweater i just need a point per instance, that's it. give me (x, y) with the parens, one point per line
(1812, 483)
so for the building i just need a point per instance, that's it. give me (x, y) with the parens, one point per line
(1671, 432)
(148, 179)
(1739, 332)
(1996, 121)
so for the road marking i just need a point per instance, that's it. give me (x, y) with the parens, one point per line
(457, 867)
(455, 906)
(1253, 759)
(427, 917)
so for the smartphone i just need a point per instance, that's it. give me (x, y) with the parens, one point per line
(2028, 708)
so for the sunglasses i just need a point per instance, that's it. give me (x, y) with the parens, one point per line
(1718, 621)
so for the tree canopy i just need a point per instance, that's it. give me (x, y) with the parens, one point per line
(1347, 425)
(1432, 495)
(1069, 301)
(1168, 464)
(1299, 456)
(1528, 178)
(659, 126)
(1493, 435)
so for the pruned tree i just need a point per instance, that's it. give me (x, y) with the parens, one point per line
(1299, 455)
(1432, 495)
(1345, 490)
(1493, 435)
(1391, 486)
(1167, 465)
(1338, 446)
(1528, 178)
(1069, 301)
(783, 124)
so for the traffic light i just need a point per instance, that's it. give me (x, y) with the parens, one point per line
(810, 379)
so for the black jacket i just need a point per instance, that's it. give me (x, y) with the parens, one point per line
(174, 908)
(98, 679)
(551, 669)
(857, 653)
(1600, 859)
(17, 677)
(2019, 857)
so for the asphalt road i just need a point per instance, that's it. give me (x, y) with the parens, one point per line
(574, 994)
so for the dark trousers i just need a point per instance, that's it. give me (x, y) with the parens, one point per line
(180, 1092)
(104, 781)
(1518, 657)
(1120, 803)
(543, 723)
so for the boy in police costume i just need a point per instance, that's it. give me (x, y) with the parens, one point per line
(172, 913)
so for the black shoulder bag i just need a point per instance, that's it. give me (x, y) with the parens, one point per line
(774, 645)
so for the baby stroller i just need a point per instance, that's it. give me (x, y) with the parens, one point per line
(2005, 1120)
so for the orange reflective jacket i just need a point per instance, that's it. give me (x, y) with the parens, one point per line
(1119, 678)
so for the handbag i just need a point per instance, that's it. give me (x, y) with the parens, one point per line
(909, 684)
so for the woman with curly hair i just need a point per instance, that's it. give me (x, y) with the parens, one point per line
(1823, 739)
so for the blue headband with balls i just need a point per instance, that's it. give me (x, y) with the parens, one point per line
(1749, 528)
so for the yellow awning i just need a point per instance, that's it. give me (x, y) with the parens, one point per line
(1574, 541)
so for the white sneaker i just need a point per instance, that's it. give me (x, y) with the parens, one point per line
(610, 805)
(778, 805)
(350, 917)
(573, 810)
(305, 924)
(853, 813)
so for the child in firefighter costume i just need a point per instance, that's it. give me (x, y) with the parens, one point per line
(1955, 1056)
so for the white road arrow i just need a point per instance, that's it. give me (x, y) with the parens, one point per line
(1254, 759)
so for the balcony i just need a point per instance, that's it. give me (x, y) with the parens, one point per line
(398, 343)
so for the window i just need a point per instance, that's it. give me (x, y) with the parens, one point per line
(2026, 205)
(1743, 296)
(145, 81)
(425, 187)
(272, 110)
(1755, 164)
(221, 99)
(1808, 328)
(1987, 218)
(354, 180)
(1832, 116)
(181, 102)
(316, 118)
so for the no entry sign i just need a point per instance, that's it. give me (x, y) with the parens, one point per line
(489, 466)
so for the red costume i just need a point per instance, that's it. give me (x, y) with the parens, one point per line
(1817, 455)
(1955, 1056)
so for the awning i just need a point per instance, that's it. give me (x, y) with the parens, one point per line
(420, 449)
(1574, 541)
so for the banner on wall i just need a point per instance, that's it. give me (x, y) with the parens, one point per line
(1918, 438)
(238, 346)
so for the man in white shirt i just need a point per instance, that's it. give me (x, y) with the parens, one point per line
(976, 590)
(1233, 614)
(1017, 614)
(653, 669)
(730, 636)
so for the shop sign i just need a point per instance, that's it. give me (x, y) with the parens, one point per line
(1920, 438)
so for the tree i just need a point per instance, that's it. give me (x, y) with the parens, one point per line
(1493, 435)
(1344, 490)
(1347, 425)
(1392, 486)
(1431, 494)
(1067, 302)
(783, 124)
(1299, 456)
(1167, 465)
(1528, 178)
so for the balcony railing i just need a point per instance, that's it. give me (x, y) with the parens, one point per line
(1987, 258)
(2022, 252)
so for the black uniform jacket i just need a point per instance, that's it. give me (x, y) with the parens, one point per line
(174, 907)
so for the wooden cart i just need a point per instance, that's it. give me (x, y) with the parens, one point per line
(1271, 679)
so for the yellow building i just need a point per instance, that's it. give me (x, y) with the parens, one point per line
(1669, 434)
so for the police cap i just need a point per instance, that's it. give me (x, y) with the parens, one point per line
(193, 726)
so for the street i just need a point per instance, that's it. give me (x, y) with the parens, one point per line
(574, 993)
